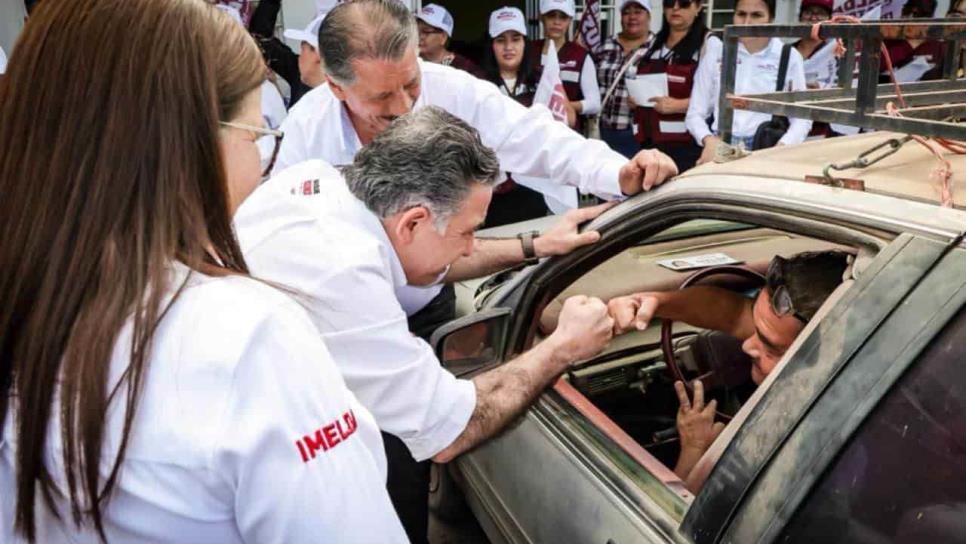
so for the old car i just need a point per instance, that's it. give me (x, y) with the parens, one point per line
(859, 434)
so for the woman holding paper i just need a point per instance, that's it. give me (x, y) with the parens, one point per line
(507, 64)
(674, 54)
(916, 59)
(577, 70)
(616, 58)
(759, 60)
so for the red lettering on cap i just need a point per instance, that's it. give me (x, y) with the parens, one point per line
(327, 436)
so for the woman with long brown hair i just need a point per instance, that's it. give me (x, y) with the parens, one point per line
(149, 389)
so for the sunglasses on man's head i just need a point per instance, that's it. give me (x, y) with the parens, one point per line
(683, 4)
(781, 299)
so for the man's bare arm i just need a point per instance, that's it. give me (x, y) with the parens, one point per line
(490, 255)
(504, 393)
(706, 307)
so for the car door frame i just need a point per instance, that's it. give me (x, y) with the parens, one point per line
(650, 214)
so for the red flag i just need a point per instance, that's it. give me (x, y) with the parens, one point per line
(588, 31)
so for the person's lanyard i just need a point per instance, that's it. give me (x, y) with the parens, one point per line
(512, 93)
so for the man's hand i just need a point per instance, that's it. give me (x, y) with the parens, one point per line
(584, 329)
(633, 311)
(563, 237)
(710, 148)
(696, 425)
(649, 168)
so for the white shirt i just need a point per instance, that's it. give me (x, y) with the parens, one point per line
(3, 61)
(756, 74)
(588, 83)
(237, 386)
(526, 140)
(303, 229)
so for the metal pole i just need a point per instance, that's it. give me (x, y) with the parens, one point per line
(868, 75)
(729, 68)
(847, 65)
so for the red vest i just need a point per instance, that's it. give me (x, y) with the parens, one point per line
(680, 79)
(902, 53)
(571, 58)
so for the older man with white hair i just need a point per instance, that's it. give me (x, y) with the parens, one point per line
(404, 214)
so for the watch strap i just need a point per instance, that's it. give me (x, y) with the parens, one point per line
(526, 241)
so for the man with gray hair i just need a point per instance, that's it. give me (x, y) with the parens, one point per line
(404, 213)
(370, 53)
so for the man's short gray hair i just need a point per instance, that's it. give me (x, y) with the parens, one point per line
(425, 158)
(365, 29)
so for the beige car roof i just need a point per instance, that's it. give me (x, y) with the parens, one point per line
(907, 174)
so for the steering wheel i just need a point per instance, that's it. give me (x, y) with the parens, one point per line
(708, 376)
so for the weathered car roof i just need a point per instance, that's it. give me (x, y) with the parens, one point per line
(907, 174)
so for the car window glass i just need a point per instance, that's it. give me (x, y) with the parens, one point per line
(902, 477)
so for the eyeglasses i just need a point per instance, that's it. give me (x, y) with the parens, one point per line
(278, 134)
(956, 14)
(781, 299)
(683, 4)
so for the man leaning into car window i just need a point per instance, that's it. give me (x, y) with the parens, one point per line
(794, 290)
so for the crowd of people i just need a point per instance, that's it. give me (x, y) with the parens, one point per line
(214, 311)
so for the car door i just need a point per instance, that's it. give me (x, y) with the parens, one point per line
(834, 466)
(560, 476)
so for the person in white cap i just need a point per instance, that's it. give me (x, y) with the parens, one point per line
(616, 56)
(310, 62)
(302, 72)
(509, 64)
(577, 70)
(435, 25)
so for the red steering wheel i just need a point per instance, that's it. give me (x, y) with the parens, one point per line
(667, 332)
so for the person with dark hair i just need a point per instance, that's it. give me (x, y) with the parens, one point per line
(150, 389)
(614, 63)
(795, 288)
(508, 64)
(918, 59)
(577, 70)
(675, 51)
(435, 32)
(359, 241)
(370, 53)
(760, 62)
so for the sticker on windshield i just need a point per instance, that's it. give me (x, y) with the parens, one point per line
(698, 261)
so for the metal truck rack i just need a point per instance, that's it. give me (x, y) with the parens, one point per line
(929, 105)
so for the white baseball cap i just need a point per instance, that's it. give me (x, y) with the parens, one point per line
(436, 16)
(646, 4)
(505, 19)
(310, 35)
(566, 6)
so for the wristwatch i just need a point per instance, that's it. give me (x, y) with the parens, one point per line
(529, 253)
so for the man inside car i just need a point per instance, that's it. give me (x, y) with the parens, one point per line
(794, 290)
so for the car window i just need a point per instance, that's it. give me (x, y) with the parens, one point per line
(901, 477)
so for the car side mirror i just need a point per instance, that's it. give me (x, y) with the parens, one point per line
(471, 343)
